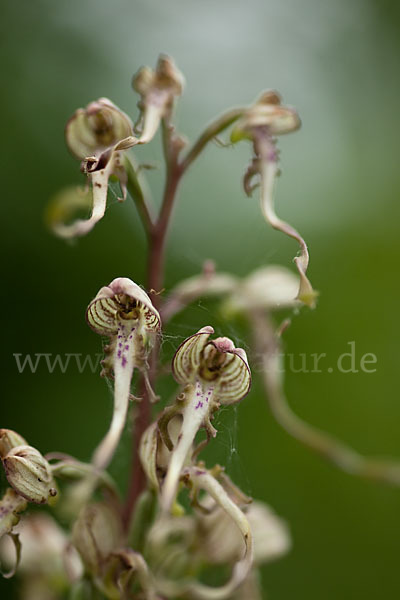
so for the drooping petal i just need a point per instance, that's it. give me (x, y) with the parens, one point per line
(123, 312)
(99, 190)
(197, 405)
(123, 366)
(269, 169)
(260, 123)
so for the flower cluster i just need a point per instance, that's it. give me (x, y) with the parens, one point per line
(185, 530)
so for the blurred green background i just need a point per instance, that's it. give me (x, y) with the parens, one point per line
(338, 63)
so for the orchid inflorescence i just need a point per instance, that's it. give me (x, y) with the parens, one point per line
(181, 519)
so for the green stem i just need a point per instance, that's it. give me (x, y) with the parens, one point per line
(142, 203)
(210, 132)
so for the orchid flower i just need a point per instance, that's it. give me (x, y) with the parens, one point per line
(96, 135)
(263, 121)
(213, 373)
(157, 90)
(123, 312)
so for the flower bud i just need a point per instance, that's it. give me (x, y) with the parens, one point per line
(157, 89)
(29, 473)
(8, 440)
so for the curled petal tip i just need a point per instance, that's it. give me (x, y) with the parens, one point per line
(207, 329)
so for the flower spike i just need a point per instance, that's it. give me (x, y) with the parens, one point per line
(123, 312)
(96, 136)
(263, 121)
(213, 373)
(157, 90)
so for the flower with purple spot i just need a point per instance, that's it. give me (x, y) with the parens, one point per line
(123, 311)
(213, 372)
